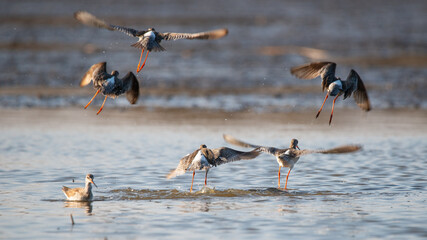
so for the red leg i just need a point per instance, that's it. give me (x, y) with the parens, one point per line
(287, 176)
(140, 58)
(87, 105)
(279, 177)
(332, 113)
(138, 69)
(102, 106)
(206, 178)
(192, 180)
(318, 113)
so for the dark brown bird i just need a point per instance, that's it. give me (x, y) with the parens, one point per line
(335, 86)
(288, 157)
(148, 39)
(109, 84)
(205, 158)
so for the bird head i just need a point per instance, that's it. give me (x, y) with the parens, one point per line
(203, 146)
(152, 29)
(294, 144)
(115, 73)
(89, 178)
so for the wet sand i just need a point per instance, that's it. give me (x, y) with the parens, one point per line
(350, 122)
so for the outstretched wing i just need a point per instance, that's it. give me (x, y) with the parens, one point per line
(90, 20)
(326, 70)
(131, 86)
(183, 165)
(226, 155)
(350, 84)
(337, 150)
(355, 84)
(95, 70)
(214, 34)
(234, 141)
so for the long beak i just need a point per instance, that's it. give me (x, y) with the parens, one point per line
(298, 148)
(93, 183)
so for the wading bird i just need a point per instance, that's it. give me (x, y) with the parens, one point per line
(109, 84)
(205, 158)
(80, 194)
(288, 157)
(149, 39)
(335, 86)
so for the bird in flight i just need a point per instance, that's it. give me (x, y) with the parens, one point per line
(110, 85)
(334, 85)
(148, 40)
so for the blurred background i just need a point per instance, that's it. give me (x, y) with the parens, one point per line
(45, 52)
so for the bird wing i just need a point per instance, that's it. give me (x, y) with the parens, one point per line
(350, 84)
(94, 70)
(183, 165)
(70, 192)
(326, 70)
(131, 86)
(214, 34)
(355, 84)
(337, 150)
(226, 155)
(234, 141)
(90, 20)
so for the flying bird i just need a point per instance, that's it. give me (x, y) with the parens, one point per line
(205, 158)
(149, 39)
(288, 157)
(80, 194)
(334, 85)
(109, 84)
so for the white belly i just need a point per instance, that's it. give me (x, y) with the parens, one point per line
(200, 160)
(150, 35)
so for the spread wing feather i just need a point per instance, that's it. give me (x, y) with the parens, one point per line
(326, 70)
(226, 155)
(131, 86)
(214, 34)
(183, 165)
(90, 20)
(96, 68)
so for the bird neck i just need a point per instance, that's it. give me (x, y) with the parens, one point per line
(88, 186)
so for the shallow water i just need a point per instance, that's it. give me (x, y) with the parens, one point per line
(379, 192)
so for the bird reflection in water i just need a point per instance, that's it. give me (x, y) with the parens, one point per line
(87, 206)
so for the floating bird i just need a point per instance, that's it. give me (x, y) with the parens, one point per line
(335, 86)
(288, 157)
(148, 39)
(110, 84)
(205, 158)
(80, 194)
